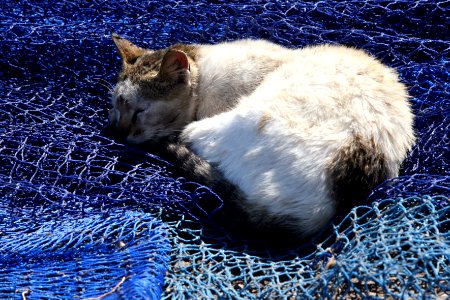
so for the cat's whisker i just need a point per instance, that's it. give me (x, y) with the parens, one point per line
(105, 81)
(106, 84)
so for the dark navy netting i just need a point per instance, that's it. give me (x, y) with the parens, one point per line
(83, 216)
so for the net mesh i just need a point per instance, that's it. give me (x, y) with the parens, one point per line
(82, 216)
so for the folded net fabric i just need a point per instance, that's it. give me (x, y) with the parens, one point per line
(82, 216)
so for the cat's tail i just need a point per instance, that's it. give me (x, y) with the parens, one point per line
(191, 165)
(356, 169)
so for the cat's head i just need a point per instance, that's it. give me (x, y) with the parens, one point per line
(153, 96)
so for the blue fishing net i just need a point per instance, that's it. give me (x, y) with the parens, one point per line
(83, 216)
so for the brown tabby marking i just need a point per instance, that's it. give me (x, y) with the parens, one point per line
(356, 169)
(263, 121)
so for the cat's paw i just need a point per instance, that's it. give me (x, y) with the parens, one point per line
(206, 137)
(192, 132)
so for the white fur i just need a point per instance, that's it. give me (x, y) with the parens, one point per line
(230, 70)
(273, 119)
(276, 144)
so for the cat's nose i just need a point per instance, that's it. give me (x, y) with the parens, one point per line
(116, 133)
(117, 128)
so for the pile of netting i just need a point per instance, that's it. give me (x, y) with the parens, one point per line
(83, 216)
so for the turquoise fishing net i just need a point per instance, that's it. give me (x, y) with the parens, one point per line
(83, 216)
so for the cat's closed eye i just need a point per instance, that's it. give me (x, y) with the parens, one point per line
(135, 115)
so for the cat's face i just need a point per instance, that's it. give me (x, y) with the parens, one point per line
(152, 98)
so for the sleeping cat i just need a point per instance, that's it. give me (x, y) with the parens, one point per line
(300, 133)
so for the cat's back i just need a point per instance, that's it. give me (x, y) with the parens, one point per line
(339, 67)
(240, 50)
(230, 70)
(337, 93)
(228, 59)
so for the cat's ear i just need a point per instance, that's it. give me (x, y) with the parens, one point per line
(128, 51)
(175, 66)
